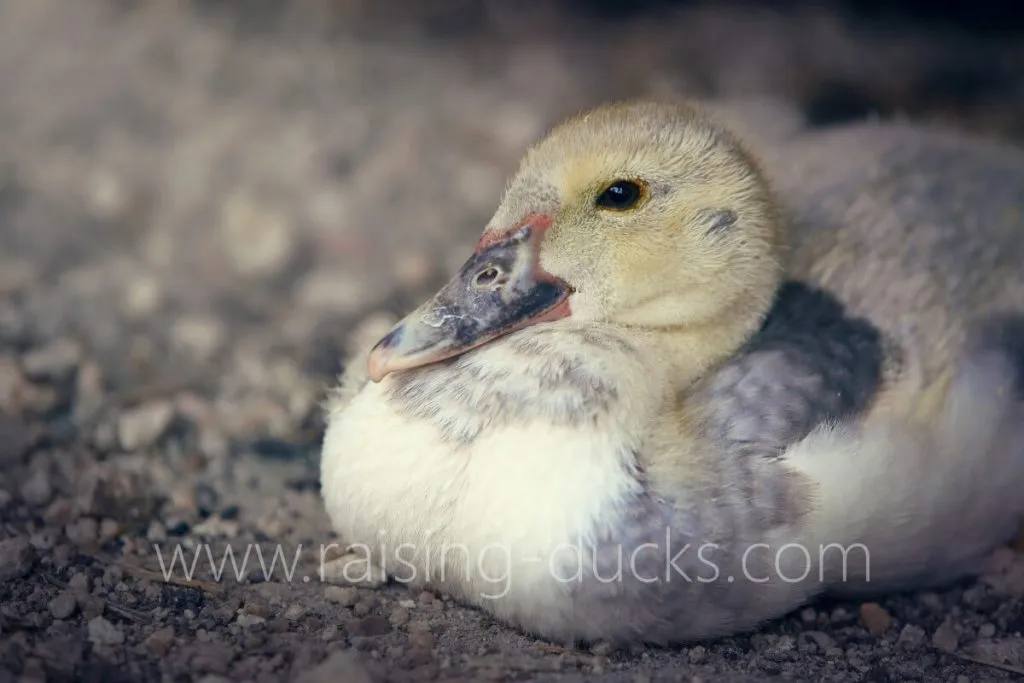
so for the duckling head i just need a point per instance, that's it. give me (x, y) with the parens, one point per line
(647, 215)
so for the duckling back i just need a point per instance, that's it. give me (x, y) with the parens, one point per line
(918, 230)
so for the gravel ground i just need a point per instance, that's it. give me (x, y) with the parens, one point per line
(199, 208)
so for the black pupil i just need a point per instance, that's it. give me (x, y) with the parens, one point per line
(621, 195)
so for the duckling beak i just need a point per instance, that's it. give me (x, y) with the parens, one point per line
(500, 289)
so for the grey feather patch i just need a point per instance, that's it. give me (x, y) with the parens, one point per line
(717, 220)
(809, 363)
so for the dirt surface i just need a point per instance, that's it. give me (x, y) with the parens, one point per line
(200, 205)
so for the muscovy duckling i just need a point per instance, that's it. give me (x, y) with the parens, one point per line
(663, 402)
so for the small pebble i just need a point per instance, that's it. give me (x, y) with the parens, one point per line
(91, 606)
(345, 596)
(13, 386)
(343, 665)
(110, 529)
(37, 489)
(82, 532)
(399, 617)
(986, 631)
(157, 532)
(143, 426)
(257, 236)
(947, 636)
(819, 638)
(102, 632)
(248, 620)
(912, 636)
(80, 583)
(421, 638)
(53, 361)
(112, 575)
(160, 641)
(371, 626)
(63, 605)
(875, 619)
(295, 613)
(16, 558)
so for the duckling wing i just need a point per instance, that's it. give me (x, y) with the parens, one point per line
(811, 362)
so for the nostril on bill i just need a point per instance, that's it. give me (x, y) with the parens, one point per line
(392, 338)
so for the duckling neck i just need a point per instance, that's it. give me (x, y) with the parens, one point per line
(687, 352)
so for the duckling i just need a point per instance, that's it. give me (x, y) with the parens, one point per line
(672, 394)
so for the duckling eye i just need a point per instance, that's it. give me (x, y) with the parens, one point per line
(620, 195)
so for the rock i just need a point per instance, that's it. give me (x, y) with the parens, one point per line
(159, 642)
(345, 596)
(875, 619)
(343, 665)
(142, 296)
(257, 236)
(16, 438)
(248, 620)
(370, 626)
(16, 558)
(63, 605)
(295, 612)
(199, 338)
(80, 583)
(143, 426)
(39, 399)
(37, 490)
(102, 632)
(89, 393)
(54, 361)
(399, 617)
(105, 490)
(986, 631)
(947, 636)
(157, 532)
(112, 575)
(912, 636)
(110, 529)
(91, 606)
(423, 639)
(211, 657)
(16, 276)
(109, 197)
(823, 640)
(82, 532)
(1007, 651)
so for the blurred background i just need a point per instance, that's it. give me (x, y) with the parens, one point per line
(203, 201)
(174, 173)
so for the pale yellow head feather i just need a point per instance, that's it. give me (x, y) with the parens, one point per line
(701, 247)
